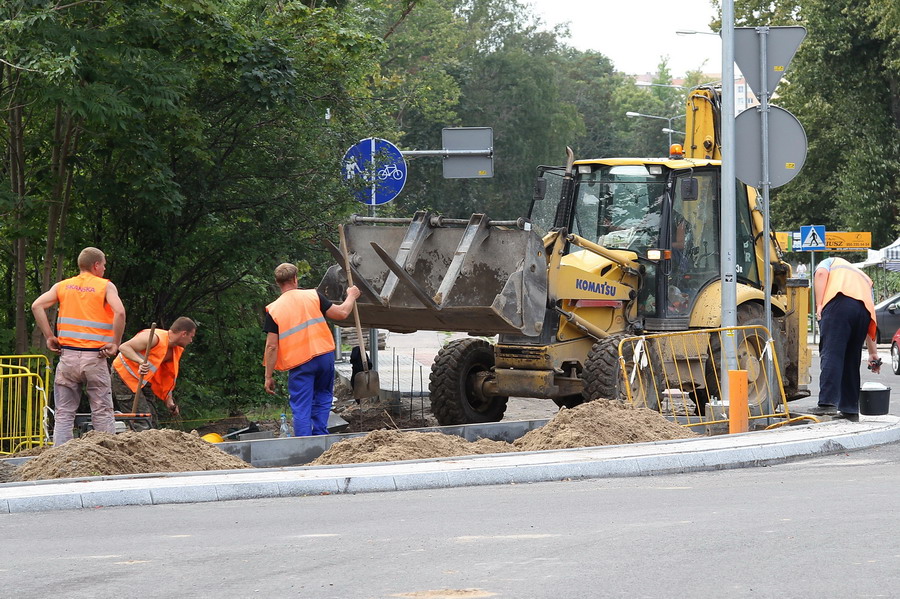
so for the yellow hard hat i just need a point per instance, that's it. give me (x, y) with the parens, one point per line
(212, 438)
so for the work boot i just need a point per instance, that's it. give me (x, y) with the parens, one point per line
(846, 416)
(823, 410)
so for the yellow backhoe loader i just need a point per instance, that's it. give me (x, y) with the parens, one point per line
(611, 248)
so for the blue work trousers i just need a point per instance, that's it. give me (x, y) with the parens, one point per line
(311, 387)
(845, 324)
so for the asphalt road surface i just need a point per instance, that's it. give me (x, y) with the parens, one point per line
(822, 527)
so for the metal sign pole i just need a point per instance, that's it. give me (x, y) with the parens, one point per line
(729, 214)
(812, 287)
(373, 333)
(763, 33)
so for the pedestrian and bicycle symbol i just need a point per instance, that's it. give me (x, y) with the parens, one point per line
(375, 170)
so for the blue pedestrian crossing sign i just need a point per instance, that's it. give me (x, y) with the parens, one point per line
(375, 170)
(812, 238)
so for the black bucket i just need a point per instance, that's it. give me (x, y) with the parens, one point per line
(874, 402)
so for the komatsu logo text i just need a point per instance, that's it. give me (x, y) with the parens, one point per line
(599, 288)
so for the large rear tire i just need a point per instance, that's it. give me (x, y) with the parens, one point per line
(603, 377)
(455, 384)
(751, 346)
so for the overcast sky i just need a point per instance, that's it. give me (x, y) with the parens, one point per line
(636, 33)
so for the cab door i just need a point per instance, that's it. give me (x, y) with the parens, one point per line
(693, 239)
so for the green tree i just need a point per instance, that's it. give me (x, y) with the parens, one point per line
(198, 156)
(843, 87)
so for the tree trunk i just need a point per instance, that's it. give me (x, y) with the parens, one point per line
(17, 184)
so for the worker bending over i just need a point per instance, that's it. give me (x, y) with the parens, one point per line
(160, 370)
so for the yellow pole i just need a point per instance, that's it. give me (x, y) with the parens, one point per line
(738, 413)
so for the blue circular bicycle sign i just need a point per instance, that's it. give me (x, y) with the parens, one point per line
(375, 170)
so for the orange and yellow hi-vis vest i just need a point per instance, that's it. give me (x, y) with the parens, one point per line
(162, 376)
(85, 320)
(303, 332)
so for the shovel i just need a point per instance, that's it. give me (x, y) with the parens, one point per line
(365, 384)
(134, 404)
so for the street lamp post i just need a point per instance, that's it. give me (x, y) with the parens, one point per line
(668, 119)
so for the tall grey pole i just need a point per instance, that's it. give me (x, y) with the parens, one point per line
(373, 333)
(728, 217)
(763, 33)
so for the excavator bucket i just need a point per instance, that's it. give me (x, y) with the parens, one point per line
(430, 273)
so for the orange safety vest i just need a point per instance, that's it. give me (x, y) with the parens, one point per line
(85, 319)
(162, 376)
(846, 279)
(303, 333)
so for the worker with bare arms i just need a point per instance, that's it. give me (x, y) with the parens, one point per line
(160, 369)
(89, 329)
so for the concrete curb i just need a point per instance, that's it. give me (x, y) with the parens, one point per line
(642, 459)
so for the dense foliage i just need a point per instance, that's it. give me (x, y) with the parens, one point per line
(844, 86)
(197, 142)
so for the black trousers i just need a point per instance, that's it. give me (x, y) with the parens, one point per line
(845, 323)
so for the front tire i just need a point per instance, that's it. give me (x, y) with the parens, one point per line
(603, 376)
(455, 384)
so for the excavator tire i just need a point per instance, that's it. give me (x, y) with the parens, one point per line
(749, 351)
(458, 368)
(603, 378)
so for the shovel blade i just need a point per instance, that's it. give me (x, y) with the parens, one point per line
(366, 384)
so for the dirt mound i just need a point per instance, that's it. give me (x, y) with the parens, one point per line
(592, 424)
(30, 452)
(601, 422)
(391, 446)
(7, 472)
(102, 454)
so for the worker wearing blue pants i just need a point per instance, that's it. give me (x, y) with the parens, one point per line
(310, 388)
(846, 310)
(298, 340)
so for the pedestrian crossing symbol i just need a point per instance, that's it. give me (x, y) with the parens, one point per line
(812, 238)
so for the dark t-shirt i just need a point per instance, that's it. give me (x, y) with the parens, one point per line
(270, 326)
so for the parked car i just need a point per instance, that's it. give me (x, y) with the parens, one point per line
(887, 316)
(895, 353)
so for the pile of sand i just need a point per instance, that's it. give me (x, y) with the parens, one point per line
(7, 472)
(595, 423)
(392, 446)
(592, 424)
(602, 422)
(102, 454)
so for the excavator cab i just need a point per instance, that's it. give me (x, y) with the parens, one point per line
(665, 214)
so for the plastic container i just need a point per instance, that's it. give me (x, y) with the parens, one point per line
(285, 428)
(874, 399)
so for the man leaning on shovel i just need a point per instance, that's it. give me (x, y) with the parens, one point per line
(299, 340)
(152, 363)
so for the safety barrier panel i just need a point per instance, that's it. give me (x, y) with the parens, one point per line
(680, 375)
(24, 385)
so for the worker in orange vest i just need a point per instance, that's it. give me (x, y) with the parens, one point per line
(845, 309)
(89, 328)
(159, 374)
(299, 340)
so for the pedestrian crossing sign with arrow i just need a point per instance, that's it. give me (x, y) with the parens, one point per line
(812, 238)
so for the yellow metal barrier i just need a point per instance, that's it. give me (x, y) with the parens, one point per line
(679, 374)
(24, 385)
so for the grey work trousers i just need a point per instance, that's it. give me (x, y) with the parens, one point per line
(77, 370)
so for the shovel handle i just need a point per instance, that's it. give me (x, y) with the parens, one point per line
(359, 337)
(134, 403)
